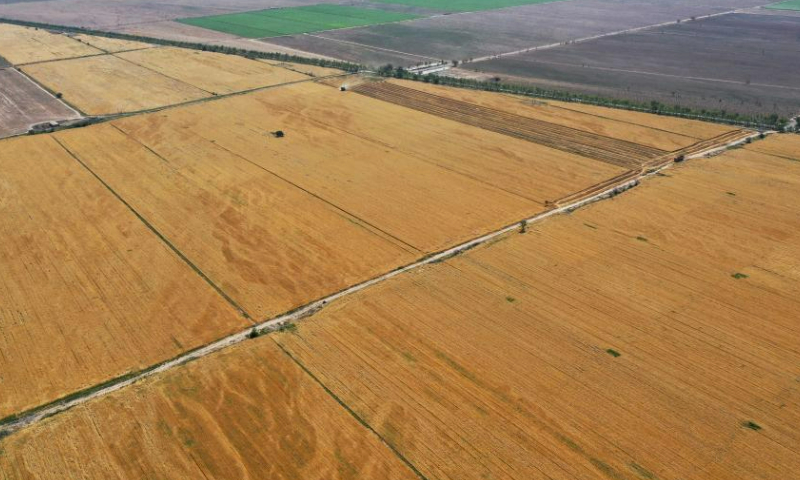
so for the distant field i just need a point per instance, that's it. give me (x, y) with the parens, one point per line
(738, 63)
(788, 5)
(212, 72)
(21, 45)
(287, 21)
(465, 5)
(104, 84)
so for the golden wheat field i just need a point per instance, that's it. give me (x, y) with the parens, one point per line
(111, 45)
(423, 206)
(214, 73)
(575, 350)
(21, 45)
(651, 335)
(246, 413)
(107, 84)
(268, 244)
(786, 146)
(310, 70)
(523, 168)
(88, 292)
(681, 126)
(571, 351)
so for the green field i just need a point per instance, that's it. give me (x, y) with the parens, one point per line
(466, 5)
(788, 5)
(275, 22)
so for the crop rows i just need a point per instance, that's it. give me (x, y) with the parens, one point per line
(613, 151)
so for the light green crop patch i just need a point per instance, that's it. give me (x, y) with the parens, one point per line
(788, 5)
(275, 22)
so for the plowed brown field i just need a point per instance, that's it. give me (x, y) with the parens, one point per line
(107, 84)
(212, 72)
(622, 153)
(247, 413)
(88, 292)
(24, 104)
(649, 134)
(266, 243)
(20, 45)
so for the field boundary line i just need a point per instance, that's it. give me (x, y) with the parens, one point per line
(401, 242)
(32, 416)
(161, 73)
(158, 234)
(352, 412)
(53, 60)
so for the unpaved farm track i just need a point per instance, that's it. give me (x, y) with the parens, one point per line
(617, 152)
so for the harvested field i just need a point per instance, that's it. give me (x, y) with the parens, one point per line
(268, 244)
(111, 45)
(572, 352)
(247, 413)
(89, 292)
(739, 62)
(107, 84)
(617, 152)
(23, 103)
(21, 45)
(211, 72)
(275, 22)
(652, 133)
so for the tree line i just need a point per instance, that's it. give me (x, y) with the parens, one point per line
(753, 120)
